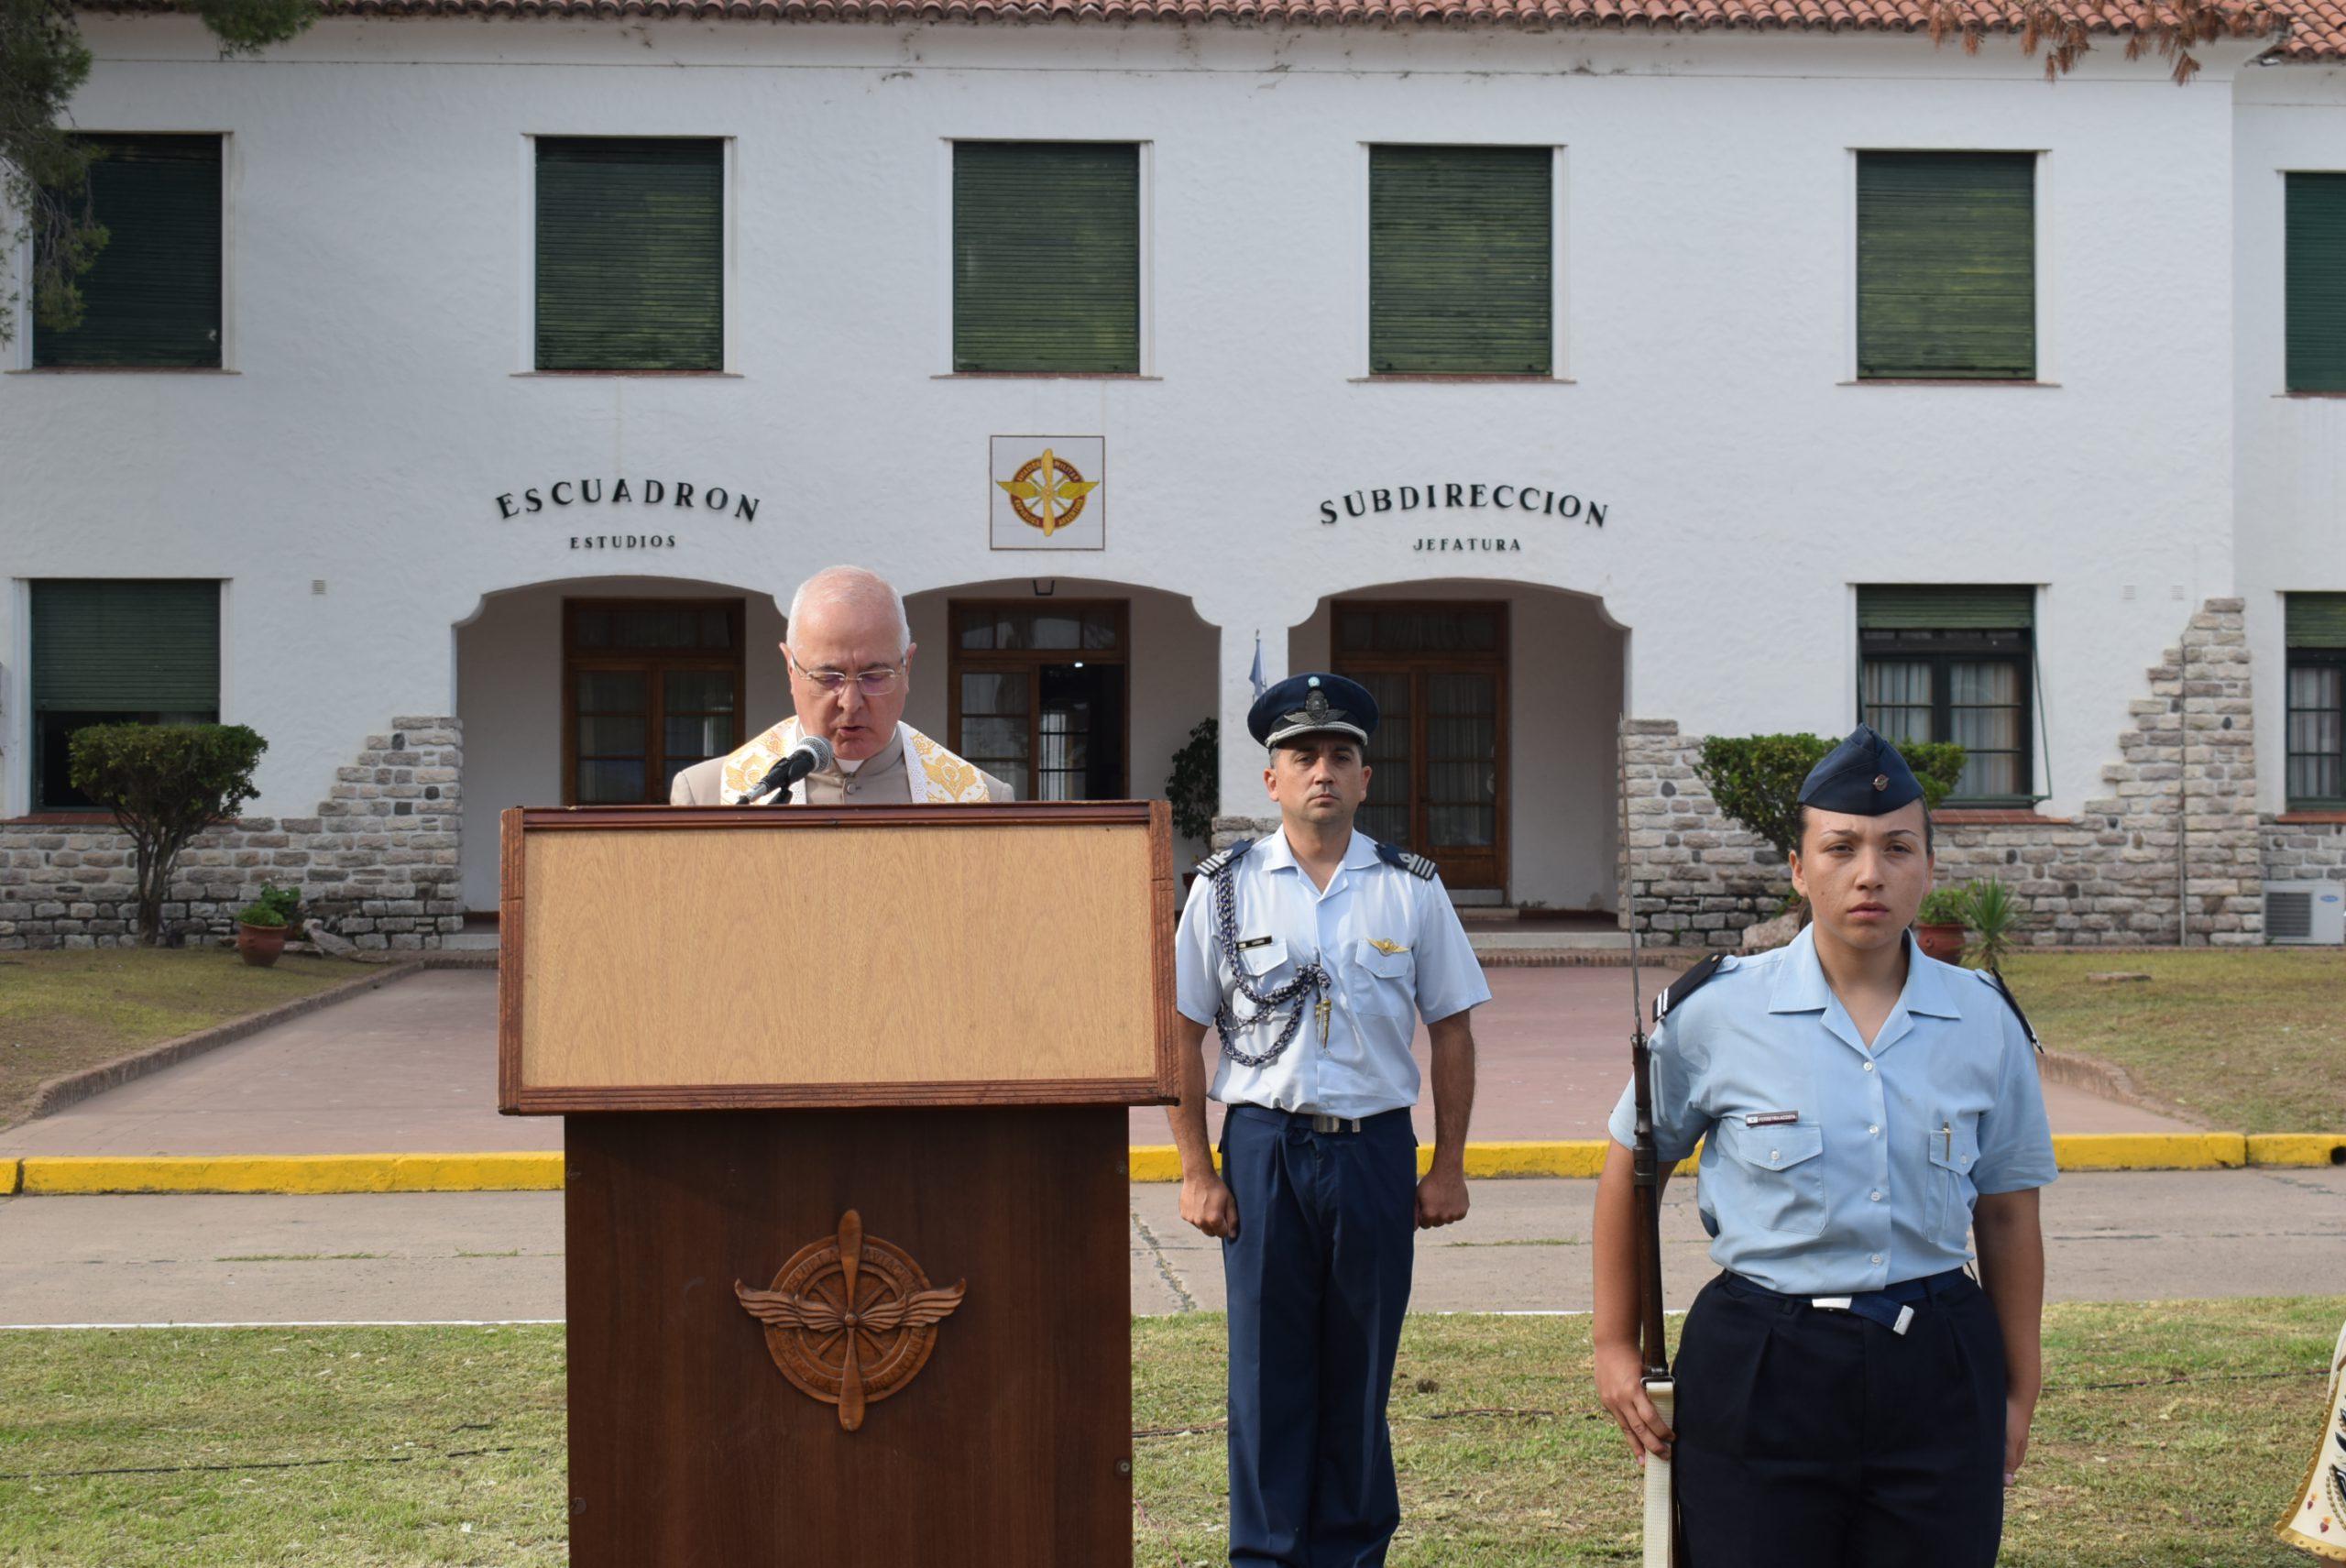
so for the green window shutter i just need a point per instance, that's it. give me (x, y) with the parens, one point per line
(152, 297)
(126, 645)
(1946, 266)
(631, 254)
(2315, 284)
(1931, 608)
(1460, 260)
(1046, 256)
(2317, 621)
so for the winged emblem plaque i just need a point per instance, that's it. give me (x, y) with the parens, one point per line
(851, 1319)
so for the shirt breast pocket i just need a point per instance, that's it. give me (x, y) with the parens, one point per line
(1384, 982)
(1779, 1172)
(1954, 1153)
(1263, 964)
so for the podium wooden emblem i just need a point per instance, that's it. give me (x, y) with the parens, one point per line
(850, 1317)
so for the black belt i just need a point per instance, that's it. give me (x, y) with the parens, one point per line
(1892, 1306)
(1319, 1123)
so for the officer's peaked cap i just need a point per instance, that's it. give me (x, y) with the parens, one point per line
(1312, 705)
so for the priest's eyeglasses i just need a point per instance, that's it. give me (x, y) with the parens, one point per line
(878, 681)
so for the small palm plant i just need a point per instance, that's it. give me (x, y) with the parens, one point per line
(1993, 911)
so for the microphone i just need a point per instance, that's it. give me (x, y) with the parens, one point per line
(808, 756)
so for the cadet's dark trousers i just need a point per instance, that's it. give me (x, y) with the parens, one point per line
(1817, 1439)
(1318, 1276)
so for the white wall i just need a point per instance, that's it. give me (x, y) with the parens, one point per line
(508, 694)
(379, 234)
(2292, 450)
(1564, 702)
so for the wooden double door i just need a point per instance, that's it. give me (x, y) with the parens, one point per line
(1438, 672)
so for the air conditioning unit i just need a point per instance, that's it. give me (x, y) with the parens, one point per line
(2308, 912)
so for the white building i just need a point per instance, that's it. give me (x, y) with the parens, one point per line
(1730, 378)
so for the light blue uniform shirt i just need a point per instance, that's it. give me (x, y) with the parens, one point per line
(1284, 921)
(1873, 1183)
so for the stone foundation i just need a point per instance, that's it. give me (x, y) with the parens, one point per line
(377, 863)
(2303, 851)
(2170, 853)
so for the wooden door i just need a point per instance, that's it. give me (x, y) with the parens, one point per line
(1438, 672)
(650, 687)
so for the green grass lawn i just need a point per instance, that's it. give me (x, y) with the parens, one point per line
(2244, 1040)
(2170, 1435)
(60, 1012)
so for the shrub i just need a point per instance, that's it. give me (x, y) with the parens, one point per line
(1194, 787)
(259, 914)
(1943, 906)
(165, 783)
(1756, 779)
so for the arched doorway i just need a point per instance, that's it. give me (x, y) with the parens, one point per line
(1495, 754)
(1066, 688)
(598, 690)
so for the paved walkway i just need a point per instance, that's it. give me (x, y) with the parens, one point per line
(412, 1068)
(497, 1255)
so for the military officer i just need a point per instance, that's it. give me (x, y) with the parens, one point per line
(1846, 1393)
(1303, 963)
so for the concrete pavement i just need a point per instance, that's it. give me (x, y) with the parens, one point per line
(1524, 1248)
(412, 1068)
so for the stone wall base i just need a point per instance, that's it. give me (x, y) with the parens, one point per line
(2170, 853)
(377, 863)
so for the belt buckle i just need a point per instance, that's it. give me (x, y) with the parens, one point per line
(1830, 1303)
(1321, 1124)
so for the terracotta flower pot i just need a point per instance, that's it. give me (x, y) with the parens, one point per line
(259, 945)
(1944, 943)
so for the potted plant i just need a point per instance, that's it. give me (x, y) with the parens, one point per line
(261, 934)
(286, 902)
(1991, 910)
(1938, 927)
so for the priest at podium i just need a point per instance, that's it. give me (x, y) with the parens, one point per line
(850, 652)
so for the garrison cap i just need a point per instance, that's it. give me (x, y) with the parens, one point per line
(1863, 777)
(1312, 705)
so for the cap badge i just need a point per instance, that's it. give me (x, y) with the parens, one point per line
(1315, 707)
(1882, 781)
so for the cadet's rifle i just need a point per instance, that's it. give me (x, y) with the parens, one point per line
(1662, 1538)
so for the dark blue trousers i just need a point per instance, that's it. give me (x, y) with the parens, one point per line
(1810, 1438)
(1318, 1276)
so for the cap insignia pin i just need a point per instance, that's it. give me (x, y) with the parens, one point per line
(1315, 707)
(1882, 781)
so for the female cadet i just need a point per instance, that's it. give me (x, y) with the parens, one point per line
(1847, 1394)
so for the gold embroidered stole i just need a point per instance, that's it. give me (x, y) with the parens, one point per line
(935, 776)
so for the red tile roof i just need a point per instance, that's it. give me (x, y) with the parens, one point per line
(2315, 29)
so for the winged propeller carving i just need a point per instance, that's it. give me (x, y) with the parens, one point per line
(920, 1310)
(851, 1319)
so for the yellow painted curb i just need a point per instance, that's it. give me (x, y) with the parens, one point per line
(2149, 1151)
(542, 1171)
(2297, 1148)
(298, 1173)
(1158, 1162)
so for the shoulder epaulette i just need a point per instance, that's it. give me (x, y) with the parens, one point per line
(1995, 982)
(1211, 865)
(1687, 985)
(1416, 865)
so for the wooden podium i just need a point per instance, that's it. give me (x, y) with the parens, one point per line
(819, 1067)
